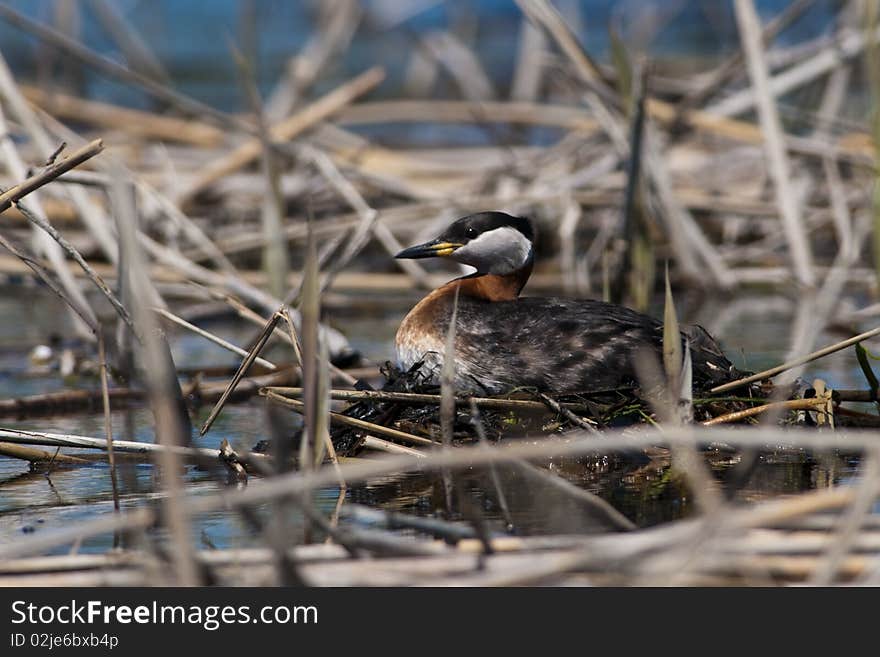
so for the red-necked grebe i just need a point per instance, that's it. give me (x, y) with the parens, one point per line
(504, 341)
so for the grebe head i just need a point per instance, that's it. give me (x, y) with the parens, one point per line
(493, 242)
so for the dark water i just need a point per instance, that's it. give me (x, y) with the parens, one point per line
(645, 490)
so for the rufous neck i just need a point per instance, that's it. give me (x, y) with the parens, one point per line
(493, 287)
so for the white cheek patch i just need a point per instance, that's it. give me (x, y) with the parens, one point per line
(500, 251)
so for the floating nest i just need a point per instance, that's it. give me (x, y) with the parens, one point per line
(520, 412)
(406, 412)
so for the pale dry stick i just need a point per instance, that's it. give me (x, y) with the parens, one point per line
(681, 220)
(294, 337)
(600, 98)
(91, 274)
(851, 44)
(750, 35)
(543, 13)
(95, 217)
(596, 169)
(773, 371)
(234, 284)
(44, 244)
(674, 382)
(465, 111)
(85, 313)
(13, 451)
(421, 74)
(114, 167)
(419, 398)
(531, 52)
(368, 215)
(583, 423)
(732, 67)
(749, 133)
(241, 371)
(568, 225)
(788, 405)
(73, 441)
(578, 119)
(370, 220)
(162, 385)
(823, 302)
(310, 309)
(849, 524)
(775, 241)
(138, 123)
(12, 195)
(323, 433)
(190, 228)
(339, 21)
(286, 130)
(108, 427)
(681, 225)
(839, 207)
(372, 442)
(290, 337)
(339, 418)
(836, 86)
(171, 317)
(462, 65)
(90, 213)
(275, 257)
(447, 404)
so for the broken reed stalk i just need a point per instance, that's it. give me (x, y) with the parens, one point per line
(108, 427)
(172, 421)
(138, 123)
(583, 423)
(309, 312)
(83, 312)
(84, 321)
(212, 338)
(284, 131)
(732, 67)
(773, 371)
(11, 196)
(338, 418)
(780, 168)
(194, 454)
(290, 337)
(418, 398)
(242, 370)
(89, 271)
(14, 451)
(788, 405)
(380, 445)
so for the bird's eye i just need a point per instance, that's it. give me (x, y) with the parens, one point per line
(471, 232)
